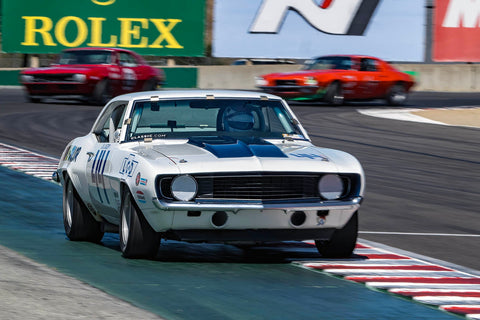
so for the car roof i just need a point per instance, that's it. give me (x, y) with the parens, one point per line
(96, 49)
(196, 93)
(358, 56)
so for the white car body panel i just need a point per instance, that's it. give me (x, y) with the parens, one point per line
(99, 171)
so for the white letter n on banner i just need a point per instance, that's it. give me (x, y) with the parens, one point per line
(347, 17)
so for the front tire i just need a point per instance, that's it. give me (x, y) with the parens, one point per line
(102, 92)
(334, 95)
(33, 99)
(78, 221)
(137, 237)
(342, 243)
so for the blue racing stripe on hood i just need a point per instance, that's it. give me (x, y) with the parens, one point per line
(228, 147)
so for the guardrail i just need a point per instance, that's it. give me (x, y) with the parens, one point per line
(429, 77)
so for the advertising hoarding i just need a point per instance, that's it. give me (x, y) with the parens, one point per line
(164, 28)
(390, 29)
(456, 31)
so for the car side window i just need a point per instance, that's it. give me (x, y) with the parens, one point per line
(109, 128)
(368, 65)
(127, 60)
(116, 122)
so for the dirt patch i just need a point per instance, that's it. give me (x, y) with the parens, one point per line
(456, 117)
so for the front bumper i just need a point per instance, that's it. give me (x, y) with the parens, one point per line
(251, 235)
(59, 89)
(236, 206)
(293, 91)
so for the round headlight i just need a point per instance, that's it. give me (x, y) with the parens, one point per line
(26, 78)
(330, 186)
(184, 188)
(260, 81)
(78, 77)
(310, 81)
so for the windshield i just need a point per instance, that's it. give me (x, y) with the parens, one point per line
(85, 57)
(171, 119)
(326, 63)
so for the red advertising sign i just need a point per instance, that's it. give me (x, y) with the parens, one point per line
(456, 30)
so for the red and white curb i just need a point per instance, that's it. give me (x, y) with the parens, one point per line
(28, 162)
(424, 282)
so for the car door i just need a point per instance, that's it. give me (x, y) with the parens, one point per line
(369, 77)
(102, 180)
(131, 72)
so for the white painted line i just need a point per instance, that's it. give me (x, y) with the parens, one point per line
(363, 262)
(422, 234)
(442, 300)
(403, 273)
(398, 114)
(434, 291)
(40, 171)
(406, 114)
(420, 285)
(45, 175)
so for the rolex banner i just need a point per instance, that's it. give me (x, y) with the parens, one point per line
(149, 27)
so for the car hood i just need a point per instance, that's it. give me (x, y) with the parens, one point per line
(63, 69)
(299, 74)
(228, 155)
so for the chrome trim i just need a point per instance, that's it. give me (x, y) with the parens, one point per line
(239, 205)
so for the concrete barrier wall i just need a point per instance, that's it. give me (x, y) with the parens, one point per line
(446, 77)
(429, 77)
(236, 77)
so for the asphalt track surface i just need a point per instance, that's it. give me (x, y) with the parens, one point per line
(185, 281)
(421, 179)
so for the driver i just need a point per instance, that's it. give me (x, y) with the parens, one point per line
(238, 118)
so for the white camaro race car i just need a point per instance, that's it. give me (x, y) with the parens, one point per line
(207, 166)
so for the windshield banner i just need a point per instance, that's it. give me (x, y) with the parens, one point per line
(392, 30)
(162, 28)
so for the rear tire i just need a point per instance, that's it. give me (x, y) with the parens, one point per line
(397, 95)
(150, 85)
(78, 221)
(137, 237)
(342, 243)
(334, 95)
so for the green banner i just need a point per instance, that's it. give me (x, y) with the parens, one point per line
(148, 27)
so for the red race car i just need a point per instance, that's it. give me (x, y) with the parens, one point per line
(92, 74)
(334, 79)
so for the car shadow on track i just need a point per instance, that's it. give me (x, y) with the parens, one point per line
(269, 253)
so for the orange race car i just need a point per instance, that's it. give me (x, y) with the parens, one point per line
(335, 79)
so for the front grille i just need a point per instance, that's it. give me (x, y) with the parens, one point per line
(286, 82)
(256, 187)
(66, 77)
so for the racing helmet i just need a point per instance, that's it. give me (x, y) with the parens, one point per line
(238, 118)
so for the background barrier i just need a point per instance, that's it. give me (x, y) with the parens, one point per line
(429, 77)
